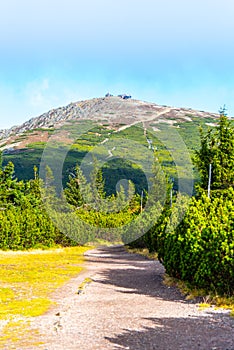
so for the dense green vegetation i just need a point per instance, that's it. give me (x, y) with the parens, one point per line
(217, 149)
(93, 135)
(194, 238)
(24, 223)
(32, 215)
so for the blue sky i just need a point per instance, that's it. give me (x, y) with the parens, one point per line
(177, 53)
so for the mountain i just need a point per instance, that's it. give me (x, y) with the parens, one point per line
(112, 117)
(115, 111)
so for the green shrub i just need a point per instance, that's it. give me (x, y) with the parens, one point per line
(201, 248)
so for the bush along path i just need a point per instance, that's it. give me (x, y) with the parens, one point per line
(120, 302)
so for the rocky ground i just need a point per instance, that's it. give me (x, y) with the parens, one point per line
(127, 306)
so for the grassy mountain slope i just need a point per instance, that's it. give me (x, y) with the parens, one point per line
(112, 118)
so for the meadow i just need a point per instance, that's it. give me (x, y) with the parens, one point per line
(28, 280)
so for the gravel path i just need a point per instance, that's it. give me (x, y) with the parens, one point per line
(126, 306)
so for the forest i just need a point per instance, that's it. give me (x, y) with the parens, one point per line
(193, 237)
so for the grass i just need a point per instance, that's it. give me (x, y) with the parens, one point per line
(142, 251)
(98, 242)
(208, 299)
(18, 333)
(27, 281)
(84, 284)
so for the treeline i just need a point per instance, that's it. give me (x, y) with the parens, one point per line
(198, 247)
(84, 212)
(24, 222)
(32, 215)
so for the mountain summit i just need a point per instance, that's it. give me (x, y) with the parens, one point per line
(116, 111)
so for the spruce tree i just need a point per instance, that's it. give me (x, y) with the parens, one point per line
(217, 149)
(73, 190)
(35, 184)
(12, 191)
(97, 186)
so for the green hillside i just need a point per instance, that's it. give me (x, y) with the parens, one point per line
(117, 168)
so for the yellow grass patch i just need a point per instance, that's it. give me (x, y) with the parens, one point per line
(84, 284)
(192, 293)
(17, 334)
(26, 281)
(203, 306)
(142, 251)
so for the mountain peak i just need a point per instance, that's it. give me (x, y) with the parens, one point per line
(114, 110)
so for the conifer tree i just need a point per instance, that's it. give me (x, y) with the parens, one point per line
(35, 184)
(97, 186)
(12, 191)
(73, 191)
(217, 149)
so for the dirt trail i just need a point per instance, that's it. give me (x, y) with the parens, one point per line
(126, 306)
